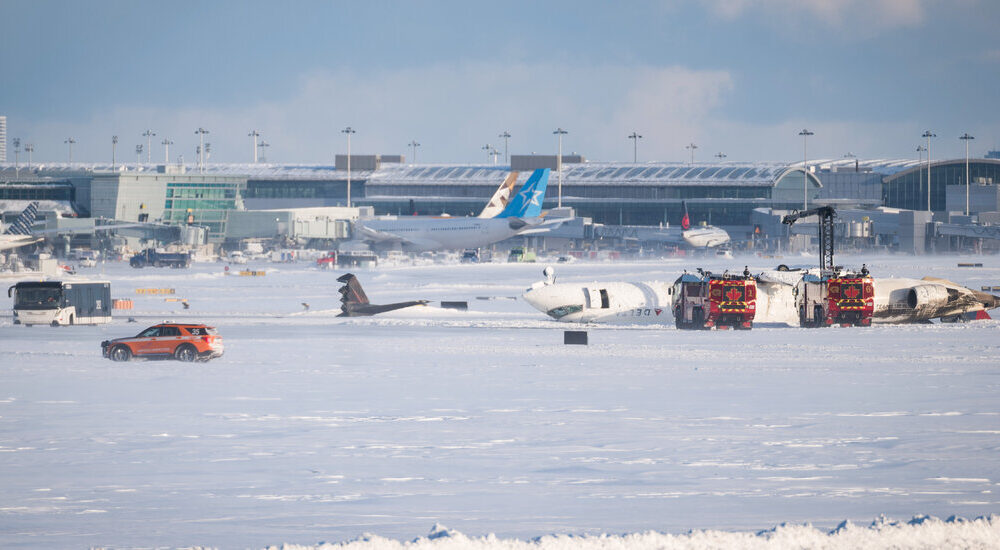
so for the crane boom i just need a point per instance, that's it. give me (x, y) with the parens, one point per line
(825, 214)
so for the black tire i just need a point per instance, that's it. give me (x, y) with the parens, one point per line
(819, 319)
(120, 353)
(55, 323)
(186, 353)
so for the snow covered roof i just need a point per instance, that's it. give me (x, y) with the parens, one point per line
(588, 173)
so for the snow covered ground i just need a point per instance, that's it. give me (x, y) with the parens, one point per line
(315, 428)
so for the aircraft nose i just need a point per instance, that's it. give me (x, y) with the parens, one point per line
(538, 298)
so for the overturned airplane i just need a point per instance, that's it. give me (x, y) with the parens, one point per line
(895, 300)
(778, 297)
(354, 302)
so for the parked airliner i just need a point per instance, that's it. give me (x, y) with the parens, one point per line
(19, 233)
(416, 234)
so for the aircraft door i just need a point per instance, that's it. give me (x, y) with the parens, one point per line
(597, 298)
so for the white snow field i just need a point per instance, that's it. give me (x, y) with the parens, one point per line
(313, 428)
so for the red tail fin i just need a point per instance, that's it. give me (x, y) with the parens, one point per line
(685, 221)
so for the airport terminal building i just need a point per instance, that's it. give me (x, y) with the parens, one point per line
(724, 194)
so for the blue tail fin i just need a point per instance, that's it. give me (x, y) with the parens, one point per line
(22, 225)
(528, 201)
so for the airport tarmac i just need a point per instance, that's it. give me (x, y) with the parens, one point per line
(316, 428)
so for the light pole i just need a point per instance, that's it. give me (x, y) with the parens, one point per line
(920, 172)
(850, 155)
(413, 145)
(201, 148)
(148, 134)
(29, 148)
(114, 151)
(138, 156)
(166, 150)
(489, 150)
(506, 136)
(254, 134)
(635, 137)
(805, 168)
(966, 137)
(17, 149)
(70, 142)
(927, 134)
(692, 147)
(262, 145)
(348, 131)
(560, 132)
(720, 155)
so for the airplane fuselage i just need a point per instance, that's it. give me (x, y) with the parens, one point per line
(896, 300)
(705, 237)
(613, 302)
(422, 234)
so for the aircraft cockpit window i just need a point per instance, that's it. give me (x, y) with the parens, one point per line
(560, 312)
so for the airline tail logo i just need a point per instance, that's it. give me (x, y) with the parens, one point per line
(501, 198)
(685, 221)
(528, 201)
(22, 225)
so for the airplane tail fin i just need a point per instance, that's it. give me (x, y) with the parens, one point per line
(501, 198)
(22, 225)
(528, 201)
(686, 220)
(351, 293)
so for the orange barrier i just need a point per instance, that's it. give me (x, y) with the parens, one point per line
(252, 273)
(155, 291)
(122, 304)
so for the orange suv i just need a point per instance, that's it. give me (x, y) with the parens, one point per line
(181, 341)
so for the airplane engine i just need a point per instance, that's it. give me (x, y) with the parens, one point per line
(924, 296)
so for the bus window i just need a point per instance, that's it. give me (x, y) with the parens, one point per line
(38, 297)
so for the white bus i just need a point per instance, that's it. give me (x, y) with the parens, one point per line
(61, 303)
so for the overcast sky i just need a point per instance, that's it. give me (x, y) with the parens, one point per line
(740, 77)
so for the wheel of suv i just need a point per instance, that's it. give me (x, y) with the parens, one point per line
(186, 353)
(120, 353)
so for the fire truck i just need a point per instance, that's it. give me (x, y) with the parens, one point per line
(709, 300)
(839, 297)
(835, 296)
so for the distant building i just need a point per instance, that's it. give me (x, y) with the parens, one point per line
(908, 188)
(611, 193)
(174, 199)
